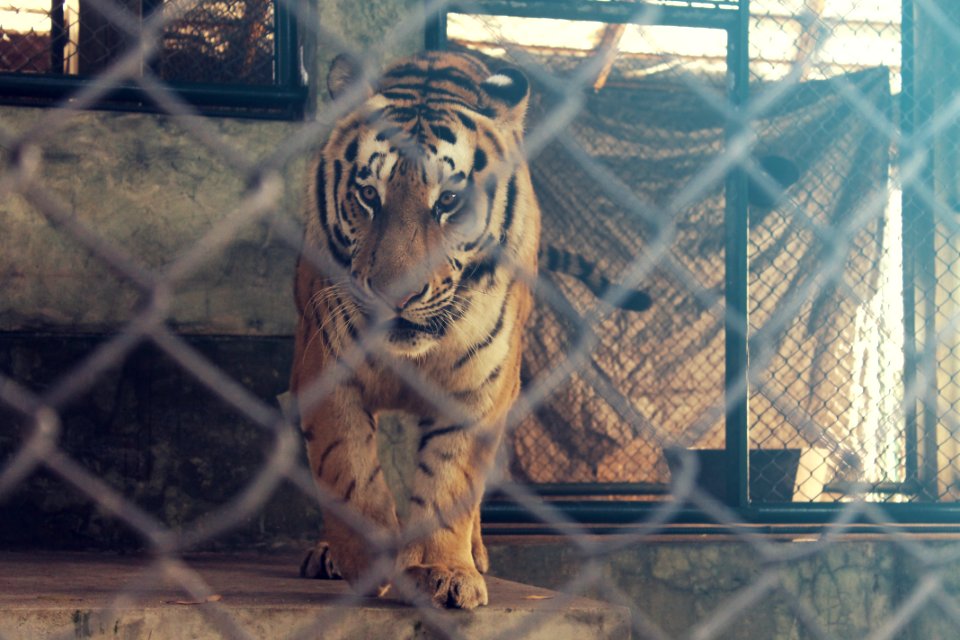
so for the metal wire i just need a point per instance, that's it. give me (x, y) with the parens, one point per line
(848, 214)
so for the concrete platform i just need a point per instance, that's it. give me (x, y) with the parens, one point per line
(77, 595)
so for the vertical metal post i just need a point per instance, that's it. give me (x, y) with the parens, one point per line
(908, 206)
(435, 30)
(926, 252)
(58, 37)
(287, 54)
(281, 45)
(920, 278)
(736, 325)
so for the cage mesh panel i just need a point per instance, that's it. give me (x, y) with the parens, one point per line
(635, 182)
(668, 361)
(220, 42)
(930, 225)
(665, 362)
(832, 389)
(808, 388)
(25, 52)
(206, 41)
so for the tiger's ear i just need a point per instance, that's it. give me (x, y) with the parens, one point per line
(346, 73)
(507, 93)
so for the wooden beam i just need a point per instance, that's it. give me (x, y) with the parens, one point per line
(811, 29)
(607, 49)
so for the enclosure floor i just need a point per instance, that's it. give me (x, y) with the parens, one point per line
(86, 595)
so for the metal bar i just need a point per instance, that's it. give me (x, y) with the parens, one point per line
(626, 513)
(283, 57)
(232, 100)
(605, 512)
(58, 36)
(814, 512)
(611, 12)
(736, 323)
(923, 230)
(287, 56)
(306, 60)
(908, 240)
(147, 9)
(600, 488)
(893, 488)
(709, 529)
(435, 31)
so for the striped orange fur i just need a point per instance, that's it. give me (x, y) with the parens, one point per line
(422, 231)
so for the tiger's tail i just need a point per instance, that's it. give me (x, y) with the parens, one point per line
(573, 264)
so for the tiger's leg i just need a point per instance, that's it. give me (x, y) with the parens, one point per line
(444, 510)
(341, 447)
(479, 550)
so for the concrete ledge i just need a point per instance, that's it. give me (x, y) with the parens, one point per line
(75, 595)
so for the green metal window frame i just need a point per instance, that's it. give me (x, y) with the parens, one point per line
(284, 99)
(611, 515)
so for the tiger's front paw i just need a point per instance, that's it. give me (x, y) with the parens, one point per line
(318, 563)
(451, 587)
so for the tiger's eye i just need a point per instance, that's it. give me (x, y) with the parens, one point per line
(447, 202)
(369, 194)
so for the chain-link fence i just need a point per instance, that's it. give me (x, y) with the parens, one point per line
(765, 194)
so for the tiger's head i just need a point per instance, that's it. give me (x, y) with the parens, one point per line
(415, 192)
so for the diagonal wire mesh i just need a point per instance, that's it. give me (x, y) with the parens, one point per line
(839, 169)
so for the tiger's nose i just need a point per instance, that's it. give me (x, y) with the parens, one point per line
(398, 302)
(403, 301)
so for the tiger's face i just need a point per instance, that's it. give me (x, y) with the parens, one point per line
(417, 220)
(415, 195)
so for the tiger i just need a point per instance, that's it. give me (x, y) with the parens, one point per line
(413, 288)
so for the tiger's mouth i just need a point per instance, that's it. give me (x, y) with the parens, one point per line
(403, 330)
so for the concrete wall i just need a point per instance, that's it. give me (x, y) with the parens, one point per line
(141, 183)
(156, 435)
(849, 589)
(145, 184)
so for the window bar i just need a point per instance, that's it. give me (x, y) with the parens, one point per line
(58, 37)
(920, 228)
(435, 31)
(909, 204)
(736, 323)
(284, 47)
